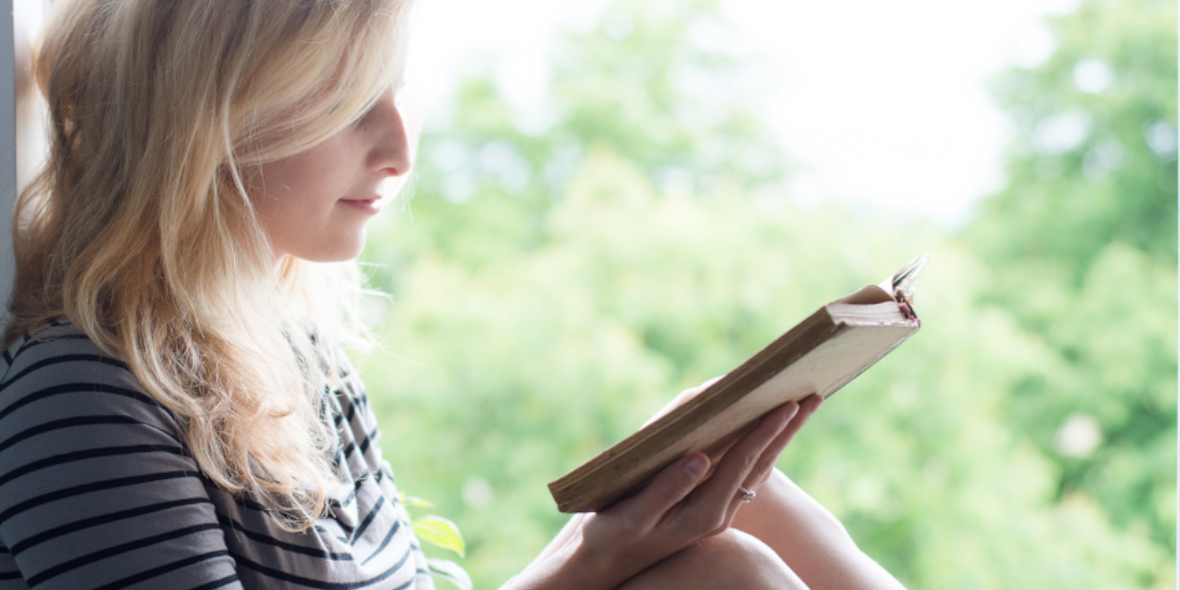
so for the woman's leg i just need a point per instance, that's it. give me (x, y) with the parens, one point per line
(730, 560)
(809, 539)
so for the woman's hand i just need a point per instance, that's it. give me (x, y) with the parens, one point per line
(679, 507)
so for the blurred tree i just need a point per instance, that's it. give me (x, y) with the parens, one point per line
(558, 281)
(1093, 160)
(1082, 244)
(663, 84)
(662, 90)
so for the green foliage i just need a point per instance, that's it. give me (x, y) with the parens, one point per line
(439, 532)
(658, 93)
(661, 84)
(444, 534)
(1083, 243)
(451, 572)
(554, 287)
(1094, 159)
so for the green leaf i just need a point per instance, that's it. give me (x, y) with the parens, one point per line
(450, 571)
(414, 501)
(441, 532)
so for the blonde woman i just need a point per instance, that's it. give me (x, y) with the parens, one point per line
(173, 411)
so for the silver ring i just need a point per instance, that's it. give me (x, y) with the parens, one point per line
(747, 495)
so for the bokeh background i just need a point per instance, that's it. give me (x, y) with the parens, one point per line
(640, 219)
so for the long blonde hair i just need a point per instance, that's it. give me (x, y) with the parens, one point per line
(139, 230)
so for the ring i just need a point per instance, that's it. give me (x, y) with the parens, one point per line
(747, 495)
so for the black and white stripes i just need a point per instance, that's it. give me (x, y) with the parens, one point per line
(97, 490)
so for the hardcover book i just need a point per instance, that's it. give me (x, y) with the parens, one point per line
(819, 355)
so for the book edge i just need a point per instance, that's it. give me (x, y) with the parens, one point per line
(830, 321)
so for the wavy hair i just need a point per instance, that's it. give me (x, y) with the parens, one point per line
(140, 231)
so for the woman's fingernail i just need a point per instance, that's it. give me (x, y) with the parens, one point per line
(695, 467)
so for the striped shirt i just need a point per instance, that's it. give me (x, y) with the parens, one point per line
(98, 490)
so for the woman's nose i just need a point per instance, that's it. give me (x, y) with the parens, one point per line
(392, 153)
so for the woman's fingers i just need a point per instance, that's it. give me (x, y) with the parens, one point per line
(762, 471)
(739, 462)
(807, 409)
(675, 482)
(748, 463)
(680, 506)
(668, 488)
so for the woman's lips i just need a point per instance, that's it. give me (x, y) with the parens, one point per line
(364, 205)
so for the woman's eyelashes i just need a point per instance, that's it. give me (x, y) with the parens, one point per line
(362, 117)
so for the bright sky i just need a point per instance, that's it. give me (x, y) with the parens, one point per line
(882, 102)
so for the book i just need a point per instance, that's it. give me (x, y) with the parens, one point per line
(819, 355)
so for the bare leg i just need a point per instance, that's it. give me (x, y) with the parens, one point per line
(809, 539)
(730, 560)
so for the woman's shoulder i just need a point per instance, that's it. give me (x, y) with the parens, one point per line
(56, 370)
(57, 337)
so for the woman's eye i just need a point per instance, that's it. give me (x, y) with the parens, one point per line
(362, 117)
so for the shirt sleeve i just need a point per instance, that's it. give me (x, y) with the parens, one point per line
(96, 489)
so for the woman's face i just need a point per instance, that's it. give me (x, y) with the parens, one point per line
(314, 205)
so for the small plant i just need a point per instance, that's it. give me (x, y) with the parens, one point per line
(442, 533)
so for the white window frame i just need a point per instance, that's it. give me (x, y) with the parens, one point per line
(7, 142)
(20, 21)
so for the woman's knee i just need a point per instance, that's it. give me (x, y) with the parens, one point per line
(731, 559)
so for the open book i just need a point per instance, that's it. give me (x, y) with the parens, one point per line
(819, 355)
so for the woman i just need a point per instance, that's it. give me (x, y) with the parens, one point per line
(172, 413)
